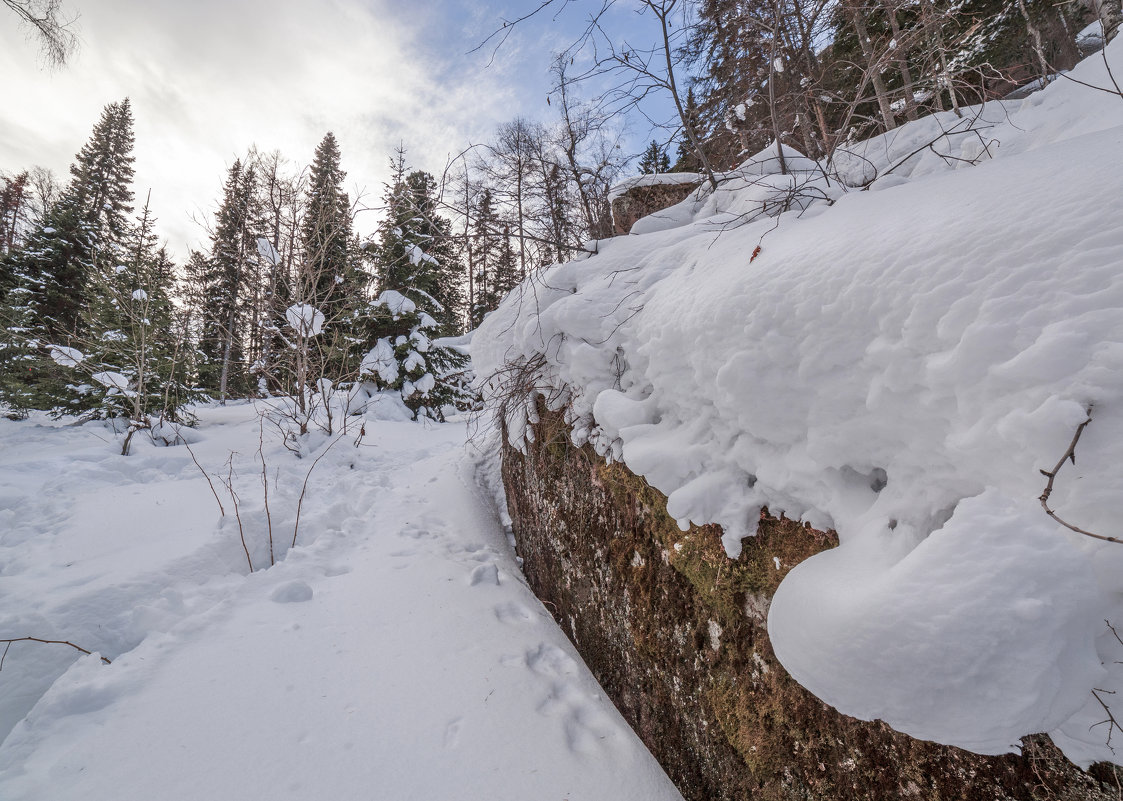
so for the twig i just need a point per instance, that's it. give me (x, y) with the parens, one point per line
(265, 484)
(1069, 454)
(1114, 632)
(304, 489)
(206, 476)
(237, 513)
(1112, 723)
(10, 640)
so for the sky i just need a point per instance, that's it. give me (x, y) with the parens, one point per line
(209, 78)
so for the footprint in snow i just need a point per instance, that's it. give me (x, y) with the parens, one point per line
(452, 732)
(485, 574)
(549, 660)
(415, 533)
(513, 613)
(586, 727)
(291, 593)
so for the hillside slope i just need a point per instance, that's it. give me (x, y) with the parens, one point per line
(899, 365)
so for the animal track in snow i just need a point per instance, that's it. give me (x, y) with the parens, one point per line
(485, 574)
(452, 732)
(549, 660)
(511, 612)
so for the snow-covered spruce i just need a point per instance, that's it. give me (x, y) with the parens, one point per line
(430, 373)
(899, 365)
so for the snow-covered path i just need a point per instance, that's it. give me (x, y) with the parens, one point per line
(395, 654)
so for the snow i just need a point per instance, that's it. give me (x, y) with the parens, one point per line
(397, 303)
(380, 360)
(395, 652)
(267, 252)
(66, 357)
(654, 179)
(416, 255)
(306, 319)
(140, 295)
(898, 365)
(425, 384)
(413, 361)
(114, 381)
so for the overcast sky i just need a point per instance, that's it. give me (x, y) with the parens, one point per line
(210, 78)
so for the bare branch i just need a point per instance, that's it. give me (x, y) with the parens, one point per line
(10, 640)
(1069, 455)
(46, 22)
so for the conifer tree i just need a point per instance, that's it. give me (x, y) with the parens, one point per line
(222, 367)
(330, 279)
(506, 267)
(132, 355)
(415, 250)
(654, 160)
(14, 201)
(485, 243)
(102, 175)
(417, 268)
(48, 278)
(688, 159)
(87, 223)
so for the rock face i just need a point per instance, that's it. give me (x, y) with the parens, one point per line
(675, 632)
(640, 201)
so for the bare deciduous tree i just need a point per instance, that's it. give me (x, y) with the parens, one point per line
(46, 21)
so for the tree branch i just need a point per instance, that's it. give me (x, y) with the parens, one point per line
(10, 640)
(1069, 455)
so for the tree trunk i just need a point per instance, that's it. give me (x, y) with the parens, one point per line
(873, 64)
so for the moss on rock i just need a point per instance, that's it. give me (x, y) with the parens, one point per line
(675, 631)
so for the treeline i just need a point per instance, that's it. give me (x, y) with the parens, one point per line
(286, 299)
(818, 74)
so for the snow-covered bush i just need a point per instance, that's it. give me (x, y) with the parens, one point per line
(402, 354)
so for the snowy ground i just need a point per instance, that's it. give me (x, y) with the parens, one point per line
(395, 653)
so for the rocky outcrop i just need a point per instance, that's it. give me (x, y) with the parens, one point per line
(642, 200)
(675, 632)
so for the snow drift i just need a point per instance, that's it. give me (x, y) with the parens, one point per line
(900, 365)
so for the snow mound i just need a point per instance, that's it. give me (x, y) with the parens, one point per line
(306, 319)
(397, 303)
(293, 592)
(899, 366)
(654, 179)
(67, 357)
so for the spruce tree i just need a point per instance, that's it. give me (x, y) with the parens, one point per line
(88, 222)
(485, 243)
(48, 278)
(506, 267)
(418, 270)
(102, 175)
(133, 353)
(14, 202)
(688, 160)
(330, 279)
(221, 291)
(415, 250)
(654, 160)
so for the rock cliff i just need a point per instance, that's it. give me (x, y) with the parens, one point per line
(675, 631)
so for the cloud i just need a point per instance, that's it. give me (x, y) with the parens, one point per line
(210, 78)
